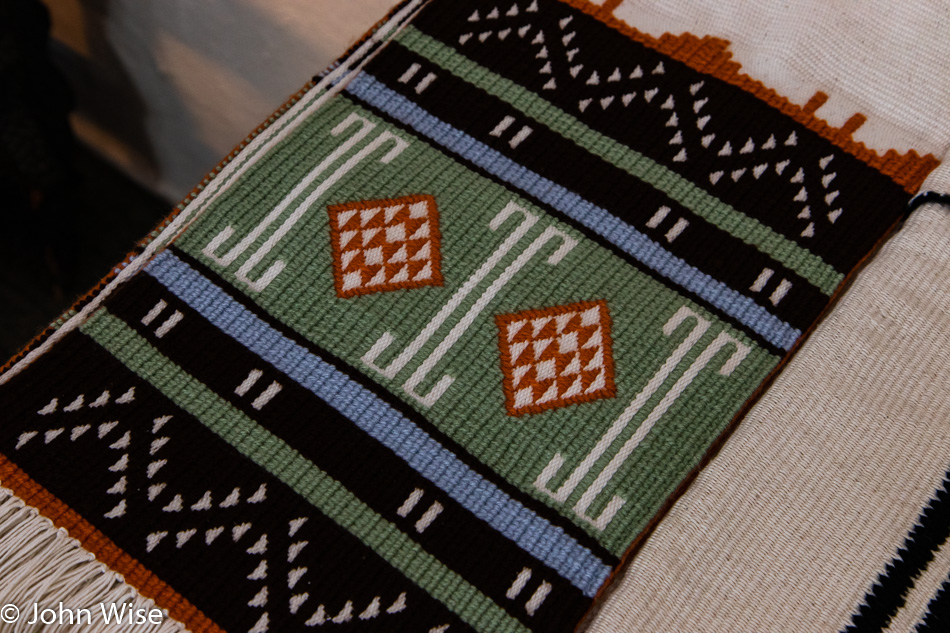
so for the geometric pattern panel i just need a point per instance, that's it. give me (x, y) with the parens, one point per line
(255, 454)
(158, 484)
(381, 245)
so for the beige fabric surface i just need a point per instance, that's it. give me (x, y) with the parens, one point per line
(878, 57)
(787, 529)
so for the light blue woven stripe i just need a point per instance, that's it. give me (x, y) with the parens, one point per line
(627, 238)
(547, 543)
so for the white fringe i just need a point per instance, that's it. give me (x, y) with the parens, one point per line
(41, 564)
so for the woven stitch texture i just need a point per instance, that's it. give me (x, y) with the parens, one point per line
(828, 509)
(442, 342)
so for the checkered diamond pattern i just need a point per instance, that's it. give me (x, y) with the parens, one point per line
(556, 357)
(381, 245)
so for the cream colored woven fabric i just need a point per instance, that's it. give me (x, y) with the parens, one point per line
(790, 526)
(787, 529)
(886, 59)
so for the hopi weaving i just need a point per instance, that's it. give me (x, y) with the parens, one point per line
(444, 339)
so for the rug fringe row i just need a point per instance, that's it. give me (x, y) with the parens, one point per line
(42, 565)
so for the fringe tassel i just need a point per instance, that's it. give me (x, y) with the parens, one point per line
(40, 564)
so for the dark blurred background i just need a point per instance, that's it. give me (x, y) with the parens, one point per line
(112, 110)
(67, 215)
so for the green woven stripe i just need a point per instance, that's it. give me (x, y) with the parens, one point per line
(287, 465)
(724, 216)
(303, 298)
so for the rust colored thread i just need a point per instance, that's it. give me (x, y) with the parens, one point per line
(851, 125)
(817, 100)
(607, 8)
(106, 552)
(709, 55)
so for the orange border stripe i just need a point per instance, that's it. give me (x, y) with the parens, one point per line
(107, 552)
(710, 55)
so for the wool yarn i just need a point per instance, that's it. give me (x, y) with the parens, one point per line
(439, 345)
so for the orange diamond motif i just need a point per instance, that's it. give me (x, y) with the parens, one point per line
(555, 357)
(383, 245)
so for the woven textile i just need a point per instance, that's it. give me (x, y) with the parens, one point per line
(828, 509)
(449, 333)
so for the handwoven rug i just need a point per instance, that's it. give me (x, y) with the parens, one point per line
(845, 527)
(444, 338)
